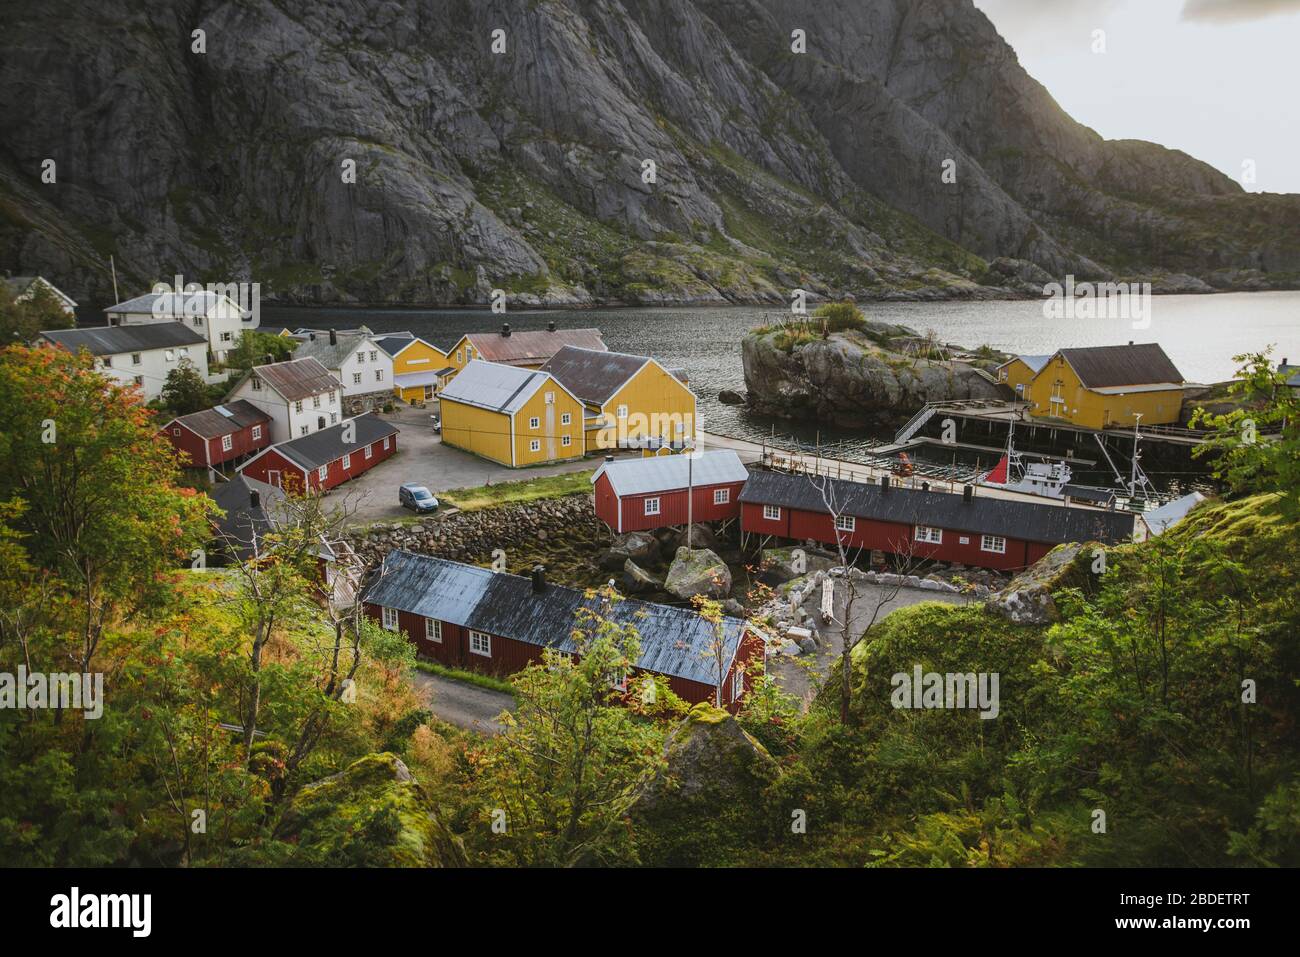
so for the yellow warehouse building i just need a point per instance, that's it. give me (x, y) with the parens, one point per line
(420, 369)
(1104, 387)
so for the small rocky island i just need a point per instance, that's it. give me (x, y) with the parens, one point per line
(837, 367)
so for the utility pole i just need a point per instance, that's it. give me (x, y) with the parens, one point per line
(113, 266)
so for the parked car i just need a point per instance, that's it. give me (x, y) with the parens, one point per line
(417, 498)
(436, 422)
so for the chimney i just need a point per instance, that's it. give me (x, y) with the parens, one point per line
(968, 494)
(550, 327)
(884, 483)
(1130, 342)
(539, 579)
(254, 498)
(609, 458)
(925, 486)
(311, 336)
(270, 359)
(334, 337)
(505, 330)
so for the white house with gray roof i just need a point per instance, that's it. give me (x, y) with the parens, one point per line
(23, 288)
(219, 318)
(363, 369)
(136, 355)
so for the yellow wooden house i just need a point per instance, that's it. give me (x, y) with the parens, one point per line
(517, 417)
(420, 369)
(1017, 373)
(527, 349)
(631, 401)
(1103, 387)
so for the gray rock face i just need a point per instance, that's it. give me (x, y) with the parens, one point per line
(1028, 598)
(522, 169)
(847, 380)
(698, 572)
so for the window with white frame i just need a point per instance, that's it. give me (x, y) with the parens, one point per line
(135, 359)
(323, 471)
(459, 357)
(845, 523)
(772, 512)
(652, 506)
(334, 417)
(361, 357)
(315, 402)
(385, 443)
(170, 355)
(347, 461)
(374, 356)
(139, 380)
(107, 362)
(433, 629)
(379, 375)
(185, 351)
(257, 384)
(534, 423)
(618, 679)
(257, 432)
(535, 445)
(565, 418)
(176, 432)
(721, 496)
(303, 430)
(993, 543)
(356, 378)
(227, 337)
(480, 644)
(297, 406)
(227, 443)
(566, 440)
(331, 397)
(622, 412)
(369, 450)
(926, 533)
(390, 618)
(549, 398)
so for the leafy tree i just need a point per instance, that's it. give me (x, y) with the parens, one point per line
(20, 322)
(185, 390)
(255, 347)
(1256, 446)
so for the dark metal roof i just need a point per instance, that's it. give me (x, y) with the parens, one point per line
(535, 345)
(984, 515)
(332, 354)
(593, 376)
(1099, 367)
(327, 445)
(211, 423)
(674, 641)
(394, 342)
(242, 524)
(115, 340)
(297, 379)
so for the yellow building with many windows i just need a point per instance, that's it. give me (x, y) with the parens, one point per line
(631, 401)
(517, 417)
(420, 369)
(1105, 387)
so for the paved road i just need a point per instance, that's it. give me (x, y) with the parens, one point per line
(463, 704)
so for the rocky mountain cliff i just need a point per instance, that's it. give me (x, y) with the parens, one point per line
(525, 169)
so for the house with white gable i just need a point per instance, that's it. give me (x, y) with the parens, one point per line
(218, 317)
(141, 356)
(301, 396)
(23, 288)
(363, 369)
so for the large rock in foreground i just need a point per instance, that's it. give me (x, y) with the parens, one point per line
(640, 547)
(698, 572)
(1028, 599)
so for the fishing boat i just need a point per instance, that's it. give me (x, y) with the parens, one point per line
(1048, 478)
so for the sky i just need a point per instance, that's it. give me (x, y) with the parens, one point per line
(1219, 79)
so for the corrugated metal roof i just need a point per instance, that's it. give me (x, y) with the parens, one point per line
(174, 305)
(408, 380)
(1101, 366)
(1034, 362)
(532, 346)
(327, 445)
(1161, 519)
(592, 375)
(490, 385)
(298, 378)
(211, 423)
(242, 525)
(665, 473)
(674, 641)
(984, 515)
(117, 340)
(394, 342)
(332, 354)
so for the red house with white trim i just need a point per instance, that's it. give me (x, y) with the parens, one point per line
(635, 495)
(983, 531)
(220, 434)
(469, 617)
(325, 459)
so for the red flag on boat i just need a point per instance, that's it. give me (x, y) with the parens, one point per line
(999, 474)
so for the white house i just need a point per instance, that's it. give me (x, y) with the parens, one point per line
(301, 396)
(137, 355)
(364, 370)
(24, 288)
(216, 315)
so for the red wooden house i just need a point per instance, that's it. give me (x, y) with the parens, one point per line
(470, 617)
(220, 434)
(327, 458)
(983, 531)
(640, 494)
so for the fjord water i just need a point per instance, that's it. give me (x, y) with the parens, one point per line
(1200, 333)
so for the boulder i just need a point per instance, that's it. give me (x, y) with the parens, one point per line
(638, 581)
(702, 536)
(731, 397)
(1028, 599)
(698, 572)
(640, 547)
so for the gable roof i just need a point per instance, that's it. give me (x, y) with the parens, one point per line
(175, 305)
(21, 284)
(983, 515)
(331, 354)
(1035, 363)
(666, 473)
(1100, 367)
(241, 526)
(591, 374)
(499, 388)
(531, 346)
(326, 446)
(221, 419)
(674, 641)
(395, 342)
(115, 340)
(295, 379)
(1161, 519)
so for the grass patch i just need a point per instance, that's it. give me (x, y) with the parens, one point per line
(469, 677)
(525, 490)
